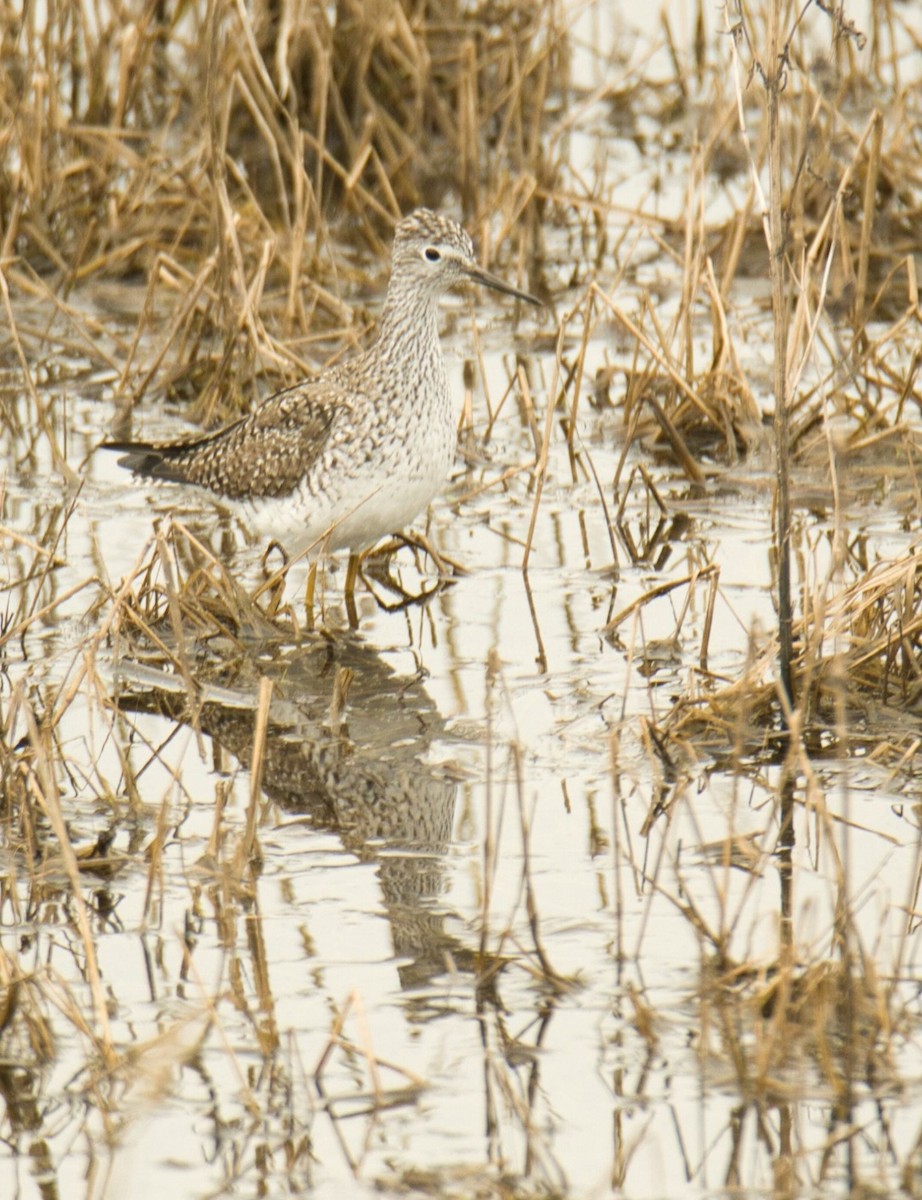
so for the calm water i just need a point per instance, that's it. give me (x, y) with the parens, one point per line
(478, 940)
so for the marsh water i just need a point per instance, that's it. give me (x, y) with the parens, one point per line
(428, 907)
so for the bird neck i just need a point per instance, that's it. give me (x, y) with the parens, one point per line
(409, 321)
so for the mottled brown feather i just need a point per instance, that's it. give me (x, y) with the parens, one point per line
(359, 451)
(265, 454)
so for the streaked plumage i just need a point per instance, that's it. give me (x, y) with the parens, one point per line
(359, 451)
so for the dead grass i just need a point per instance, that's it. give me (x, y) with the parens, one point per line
(247, 229)
(213, 158)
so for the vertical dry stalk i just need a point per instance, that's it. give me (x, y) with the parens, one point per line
(257, 765)
(614, 748)
(173, 583)
(44, 789)
(155, 868)
(867, 220)
(534, 922)
(774, 84)
(489, 843)
(774, 79)
(541, 466)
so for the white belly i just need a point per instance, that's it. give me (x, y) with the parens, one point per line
(356, 511)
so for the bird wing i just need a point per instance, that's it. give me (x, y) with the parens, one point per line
(264, 454)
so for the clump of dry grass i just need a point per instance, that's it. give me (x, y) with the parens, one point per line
(829, 231)
(112, 177)
(825, 202)
(204, 153)
(862, 645)
(847, 184)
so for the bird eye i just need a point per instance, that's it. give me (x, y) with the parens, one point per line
(432, 255)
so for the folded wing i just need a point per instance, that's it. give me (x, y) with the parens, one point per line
(265, 454)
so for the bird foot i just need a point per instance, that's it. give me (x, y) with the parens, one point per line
(448, 568)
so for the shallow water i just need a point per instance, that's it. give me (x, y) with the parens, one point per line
(392, 865)
(488, 938)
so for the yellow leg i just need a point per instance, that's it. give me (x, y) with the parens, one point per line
(309, 594)
(352, 574)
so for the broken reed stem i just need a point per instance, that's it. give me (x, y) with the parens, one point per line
(155, 859)
(534, 921)
(489, 844)
(257, 766)
(710, 572)
(867, 216)
(775, 80)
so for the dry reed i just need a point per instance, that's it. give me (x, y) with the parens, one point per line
(322, 125)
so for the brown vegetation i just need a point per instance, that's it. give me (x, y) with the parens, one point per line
(189, 198)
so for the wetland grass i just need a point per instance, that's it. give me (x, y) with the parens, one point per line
(825, 216)
(343, 118)
(319, 132)
(812, 690)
